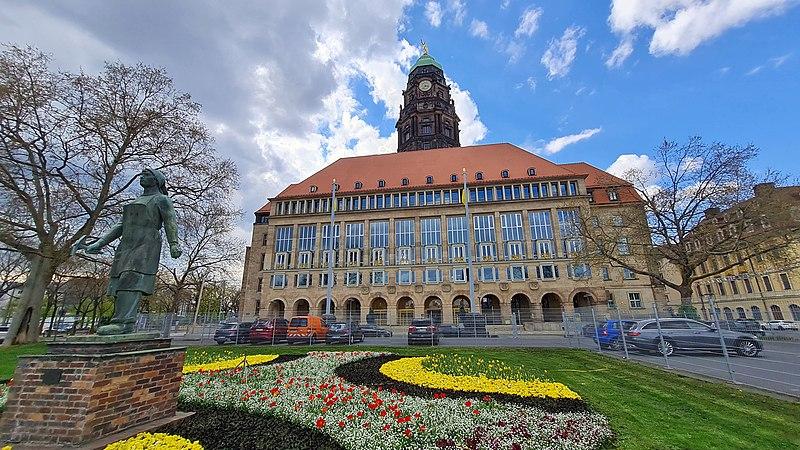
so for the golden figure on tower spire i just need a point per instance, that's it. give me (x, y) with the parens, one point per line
(424, 47)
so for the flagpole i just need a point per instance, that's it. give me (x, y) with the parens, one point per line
(331, 245)
(465, 196)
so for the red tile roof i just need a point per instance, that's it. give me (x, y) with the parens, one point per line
(489, 159)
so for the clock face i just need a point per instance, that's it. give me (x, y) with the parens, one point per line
(424, 85)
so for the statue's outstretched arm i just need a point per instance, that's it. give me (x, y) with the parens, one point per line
(114, 233)
(170, 220)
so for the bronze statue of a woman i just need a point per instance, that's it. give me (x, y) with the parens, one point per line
(136, 259)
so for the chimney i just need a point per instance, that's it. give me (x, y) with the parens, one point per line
(763, 188)
(711, 212)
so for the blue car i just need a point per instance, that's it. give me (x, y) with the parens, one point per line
(610, 336)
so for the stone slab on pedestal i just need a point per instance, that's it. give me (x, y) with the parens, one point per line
(91, 387)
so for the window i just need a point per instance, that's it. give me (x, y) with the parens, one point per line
(378, 256)
(541, 233)
(378, 277)
(304, 260)
(756, 311)
(511, 224)
(515, 251)
(358, 185)
(453, 178)
(517, 273)
(278, 281)
(635, 299)
(785, 282)
(623, 247)
(612, 195)
(433, 276)
(777, 314)
(302, 280)
(767, 283)
(381, 183)
(260, 284)
(741, 313)
(748, 286)
(547, 272)
(431, 231)
(283, 239)
(448, 130)
(580, 271)
(458, 253)
(379, 234)
(504, 174)
(478, 175)
(486, 251)
(405, 277)
(721, 288)
(263, 259)
(628, 274)
(605, 273)
(431, 254)
(354, 235)
(306, 238)
(429, 180)
(405, 255)
(352, 279)
(488, 274)
(484, 228)
(531, 171)
(326, 237)
(353, 257)
(458, 275)
(404, 182)
(313, 188)
(427, 128)
(281, 260)
(795, 311)
(323, 280)
(734, 287)
(457, 237)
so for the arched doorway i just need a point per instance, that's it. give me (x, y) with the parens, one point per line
(322, 304)
(352, 310)
(378, 309)
(777, 313)
(276, 308)
(521, 307)
(405, 310)
(433, 308)
(741, 313)
(728, 313)
(460, 306)
(582, 300)
(301, 307)
(551, 307)
(490, 308)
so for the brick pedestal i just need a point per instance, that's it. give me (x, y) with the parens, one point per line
(91, 387)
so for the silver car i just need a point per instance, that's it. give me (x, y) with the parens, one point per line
(689, 335)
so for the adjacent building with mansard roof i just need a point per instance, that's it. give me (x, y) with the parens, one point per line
(399, 243)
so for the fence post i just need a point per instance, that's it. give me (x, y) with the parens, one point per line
(660, 336)
(721, 338)
(596, 332)
(622, 332)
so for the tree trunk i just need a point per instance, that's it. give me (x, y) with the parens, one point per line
(686, 294)
(24, 326)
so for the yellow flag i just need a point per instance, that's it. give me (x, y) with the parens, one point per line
(464, 196)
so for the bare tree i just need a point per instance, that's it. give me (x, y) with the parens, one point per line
(70, 148)
(699, 205)
(13, 269)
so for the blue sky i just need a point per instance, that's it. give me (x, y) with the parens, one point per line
(288, 86)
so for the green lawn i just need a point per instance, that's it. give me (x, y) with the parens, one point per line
(648, 408)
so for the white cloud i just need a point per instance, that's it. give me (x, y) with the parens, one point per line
(628, 162)
(556, 145)
(680, 26)
(621, 53)
(561, 53)
(433, 12)
(478, 28)
(754, 70)
(530, 82)
(472, 129)
(778, 61)
(459, 11)
(528, 22)
(504, 4)
(514, 49)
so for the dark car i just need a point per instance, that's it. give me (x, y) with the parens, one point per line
(238, 333)
(452, 330)
(372, 330)
(751, 326)
(423, 331)
(269, 330)
(344, 332)
(689, 335)
(609, 333)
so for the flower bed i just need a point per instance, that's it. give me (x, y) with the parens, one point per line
(157, 441)
(307, 394)
(229, 363)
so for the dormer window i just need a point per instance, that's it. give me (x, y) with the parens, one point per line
(429, 180)
(404, 182)
(531, 172)
(381, 183)
(336, 187)
(612, 195)
(504, 174)
(478, 175)
(453, 178)
(313, 188)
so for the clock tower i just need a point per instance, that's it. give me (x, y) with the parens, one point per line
(428, 116)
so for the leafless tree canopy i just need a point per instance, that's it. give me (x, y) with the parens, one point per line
(70, 148)
(699, 204)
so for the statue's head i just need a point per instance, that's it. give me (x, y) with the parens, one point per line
(153, 177)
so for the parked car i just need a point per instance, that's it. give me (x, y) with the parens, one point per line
(588, 330)
(309, 329)
(269, 330)
(744, 325)
(3, 333)
(238, 333)
(423, 331)
(344, 332)
(451, 330)
(610, 336)
(780, 325)
(689, 335)
(372, 330)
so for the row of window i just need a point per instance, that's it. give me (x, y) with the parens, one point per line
(481, 194)
(775, 311)
(730, 285)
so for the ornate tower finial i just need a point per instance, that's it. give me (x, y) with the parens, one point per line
(424, 46)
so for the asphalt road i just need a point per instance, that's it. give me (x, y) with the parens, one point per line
(775, 369)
